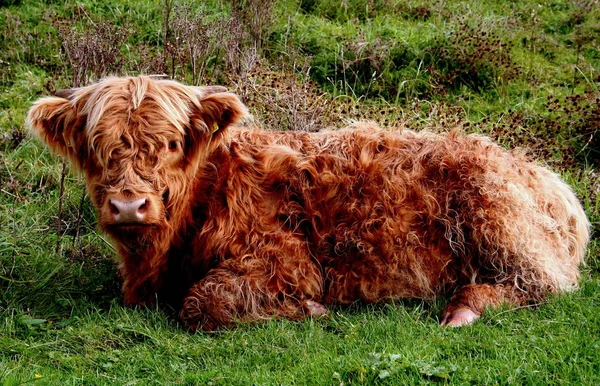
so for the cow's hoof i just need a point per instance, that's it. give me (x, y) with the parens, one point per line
(459, 317)
(316, 309)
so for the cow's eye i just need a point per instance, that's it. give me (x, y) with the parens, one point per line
(173, 145)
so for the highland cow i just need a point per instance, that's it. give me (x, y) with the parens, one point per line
(232, 224)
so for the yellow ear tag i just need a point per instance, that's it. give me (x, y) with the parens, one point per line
(215, 127)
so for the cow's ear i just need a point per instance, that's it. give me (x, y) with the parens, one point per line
(55, 121)
(219, 110)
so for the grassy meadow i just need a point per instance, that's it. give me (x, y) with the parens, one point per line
(524, 72)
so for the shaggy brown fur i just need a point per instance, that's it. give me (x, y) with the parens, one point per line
(236, 225)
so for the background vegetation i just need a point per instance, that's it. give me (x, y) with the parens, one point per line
(524, 72)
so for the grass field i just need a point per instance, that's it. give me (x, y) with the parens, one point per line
(526, 73)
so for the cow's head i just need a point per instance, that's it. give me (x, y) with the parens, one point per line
(138, 140)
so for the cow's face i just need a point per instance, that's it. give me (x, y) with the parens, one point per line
(138, 140)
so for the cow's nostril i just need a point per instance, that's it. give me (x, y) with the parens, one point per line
(113, 208)
(143, 207)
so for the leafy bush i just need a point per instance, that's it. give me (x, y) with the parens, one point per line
(471, 56)
(343, 11)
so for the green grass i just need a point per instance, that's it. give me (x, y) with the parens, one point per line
(61, 317)
(389, 344)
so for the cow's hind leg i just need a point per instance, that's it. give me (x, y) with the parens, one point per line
(469, 302)
(529, 230)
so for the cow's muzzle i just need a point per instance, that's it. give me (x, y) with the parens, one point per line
(127, 211)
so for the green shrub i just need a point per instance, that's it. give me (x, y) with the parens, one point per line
(471, 56)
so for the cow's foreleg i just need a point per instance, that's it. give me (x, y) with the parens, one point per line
(258, 286)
